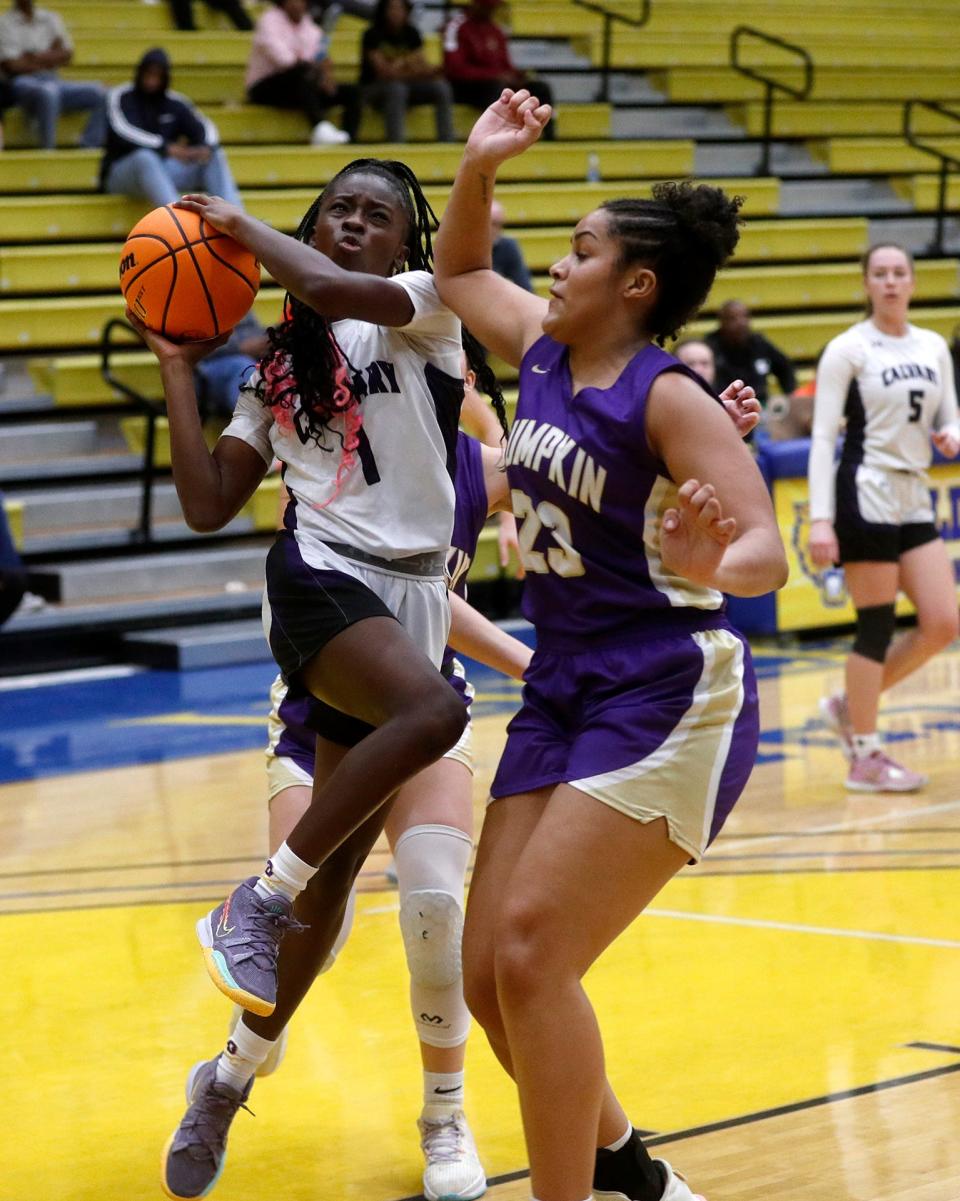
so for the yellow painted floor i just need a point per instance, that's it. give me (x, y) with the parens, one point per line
(797, 995)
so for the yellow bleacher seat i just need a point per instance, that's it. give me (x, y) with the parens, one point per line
(14, 512)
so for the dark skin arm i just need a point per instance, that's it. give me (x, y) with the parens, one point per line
(306, 273)
(212, 486)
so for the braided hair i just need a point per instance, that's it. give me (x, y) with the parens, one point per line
(685, 234)
(305, 369)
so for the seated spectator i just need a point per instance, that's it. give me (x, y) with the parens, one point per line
(288, 68)
(183, 13)
(476, 59)
(394, 72)
(34, 43)
(742, 354)
(698, 356)
(220, 374)
(158, 145)
(507, 255)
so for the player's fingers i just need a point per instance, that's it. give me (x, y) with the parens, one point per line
(709, 513)
(543, 114)
(724, 530)
(705, 493)
(671, 520)
(518, 98)
(686, 492)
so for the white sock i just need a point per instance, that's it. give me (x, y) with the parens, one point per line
(285, 873)
(620, 1142)
(442, 1092)
(244, 1053)
(865, 744)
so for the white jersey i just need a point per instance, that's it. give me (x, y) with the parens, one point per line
(893, 393)
(398, 499)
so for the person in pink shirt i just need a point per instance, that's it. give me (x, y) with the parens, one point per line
(288, 68)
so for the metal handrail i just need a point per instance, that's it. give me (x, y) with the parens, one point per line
(947, 160)
(771, 85)
(150, 409)
(609, 16)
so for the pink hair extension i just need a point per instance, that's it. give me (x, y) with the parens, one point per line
(281, 386)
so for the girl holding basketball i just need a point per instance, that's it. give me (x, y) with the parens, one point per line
(639, 722)
(359, 398)
(893, 382)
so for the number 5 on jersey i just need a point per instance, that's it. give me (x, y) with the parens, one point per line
(562, 558)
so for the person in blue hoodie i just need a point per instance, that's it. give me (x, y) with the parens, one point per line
(158, 145)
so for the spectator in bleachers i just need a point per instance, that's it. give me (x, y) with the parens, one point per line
(476, 59)
(289, 68)
(34, 44)
(507, 256)
(183, 13)
(740, 353)
(218, 376)
(158, 145)
(394, 72)
(698, 356)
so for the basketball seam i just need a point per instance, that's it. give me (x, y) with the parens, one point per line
(170, 292)
(196, 266)
(156, 238)
(230, 266)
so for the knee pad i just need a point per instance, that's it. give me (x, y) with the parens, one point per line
(875, 626)
(431, 864)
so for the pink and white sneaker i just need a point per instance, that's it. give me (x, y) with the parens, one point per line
(836, 716)
(877, 772)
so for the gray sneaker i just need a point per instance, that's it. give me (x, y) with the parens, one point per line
(241, 940)
(194, 1155)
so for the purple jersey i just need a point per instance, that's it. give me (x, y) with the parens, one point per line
(468, 520)
(589, 496)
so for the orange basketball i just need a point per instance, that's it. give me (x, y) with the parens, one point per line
(185, 279)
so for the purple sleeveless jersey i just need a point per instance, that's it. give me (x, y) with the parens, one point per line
(588, 495)
(299, 737)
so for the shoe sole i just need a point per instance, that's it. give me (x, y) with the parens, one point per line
(220, 974)
(191, 1081)
(481, 1188)
(854, 787)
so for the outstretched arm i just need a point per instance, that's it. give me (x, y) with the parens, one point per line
(505, 318)
(305, 272)
(472, 634)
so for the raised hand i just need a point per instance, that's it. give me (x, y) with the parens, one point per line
(695, 535)
(508, 127)
(742, 406)
(947, 442)
(214, 210)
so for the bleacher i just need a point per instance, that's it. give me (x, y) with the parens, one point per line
(72, 447)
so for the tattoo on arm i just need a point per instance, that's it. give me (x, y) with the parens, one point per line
(484, 188)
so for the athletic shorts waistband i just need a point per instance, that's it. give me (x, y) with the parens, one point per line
(426, 564)
(650, 625)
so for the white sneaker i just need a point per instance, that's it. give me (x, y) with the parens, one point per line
(453, 1171)
(325, 133)
(277, 1052)
(677, 1188)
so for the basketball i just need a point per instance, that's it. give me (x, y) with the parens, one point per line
(185, 279)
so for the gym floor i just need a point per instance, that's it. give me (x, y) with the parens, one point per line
(783, 1020)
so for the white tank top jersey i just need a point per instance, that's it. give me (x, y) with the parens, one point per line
(893, 392)
(398, 499)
